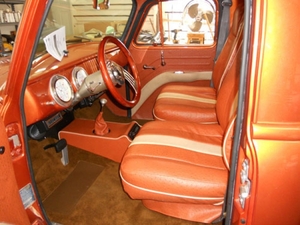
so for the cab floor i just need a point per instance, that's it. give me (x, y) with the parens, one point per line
(103, 201)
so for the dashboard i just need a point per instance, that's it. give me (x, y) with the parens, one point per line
(55, 86)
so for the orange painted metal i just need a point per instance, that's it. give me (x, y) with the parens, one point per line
(12, 209)
(39, 103)
(10, 112)
(272, 129)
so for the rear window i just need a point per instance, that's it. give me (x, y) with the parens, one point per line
(184, 23)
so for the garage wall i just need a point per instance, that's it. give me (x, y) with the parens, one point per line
(84, 17)
(7, 28)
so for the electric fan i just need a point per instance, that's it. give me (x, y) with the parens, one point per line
(195, 13)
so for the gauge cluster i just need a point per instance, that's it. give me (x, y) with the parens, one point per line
(63, 90)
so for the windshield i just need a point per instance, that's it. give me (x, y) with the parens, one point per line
(82, 23)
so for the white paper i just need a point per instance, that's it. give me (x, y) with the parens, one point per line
(56, 43)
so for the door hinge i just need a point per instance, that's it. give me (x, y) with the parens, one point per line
(13, 133)
(245, 183)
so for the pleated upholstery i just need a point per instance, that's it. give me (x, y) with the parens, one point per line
(182, 102)
(181, 168)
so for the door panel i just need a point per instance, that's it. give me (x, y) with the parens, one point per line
(167, 43)
(161, 59)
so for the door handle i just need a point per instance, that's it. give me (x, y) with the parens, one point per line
(148, 67)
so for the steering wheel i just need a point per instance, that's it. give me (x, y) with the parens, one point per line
(115, 75)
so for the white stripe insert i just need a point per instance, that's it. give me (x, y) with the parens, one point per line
(178, 142)
(186, 97)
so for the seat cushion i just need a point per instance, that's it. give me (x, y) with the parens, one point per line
(186, 103)
(176, 162)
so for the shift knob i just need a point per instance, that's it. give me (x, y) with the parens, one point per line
(102, 101)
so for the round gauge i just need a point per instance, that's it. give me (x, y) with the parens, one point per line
(61, 90)
(78, 76)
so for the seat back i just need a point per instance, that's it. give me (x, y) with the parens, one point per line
(227, 97)
(221, 65)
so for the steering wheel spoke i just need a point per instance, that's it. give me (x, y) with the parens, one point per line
(130, 79)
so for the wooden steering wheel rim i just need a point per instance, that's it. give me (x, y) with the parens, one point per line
(107, 79)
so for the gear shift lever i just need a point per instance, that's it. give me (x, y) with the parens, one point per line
(102, 102)
(100, 125)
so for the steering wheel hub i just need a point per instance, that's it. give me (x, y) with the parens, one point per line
(116, 72)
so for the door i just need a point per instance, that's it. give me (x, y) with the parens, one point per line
(14, 162)
(12, 209)
(174, 43)
(267, 179)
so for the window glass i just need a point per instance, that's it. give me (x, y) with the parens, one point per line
(149, 33)
(82, 23)
(184, 23)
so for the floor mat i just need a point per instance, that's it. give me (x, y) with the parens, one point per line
(64, 199)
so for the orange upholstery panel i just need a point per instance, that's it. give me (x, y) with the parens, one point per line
(185, 163)
(197, 104)
(194, 212)
(235, 34)
(176, 163)
(227, 97)
(176, 101)
(181, 168)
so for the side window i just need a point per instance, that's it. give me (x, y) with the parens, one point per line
(149, 33)
(184, 23)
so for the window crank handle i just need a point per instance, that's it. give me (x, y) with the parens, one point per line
(162, 58)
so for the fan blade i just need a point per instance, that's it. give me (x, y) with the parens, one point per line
(193, 10)
(195, 26)
(208, 16)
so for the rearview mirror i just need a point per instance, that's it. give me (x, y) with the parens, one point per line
(100, 4)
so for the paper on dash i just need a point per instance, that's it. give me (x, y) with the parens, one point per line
(56, 43)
